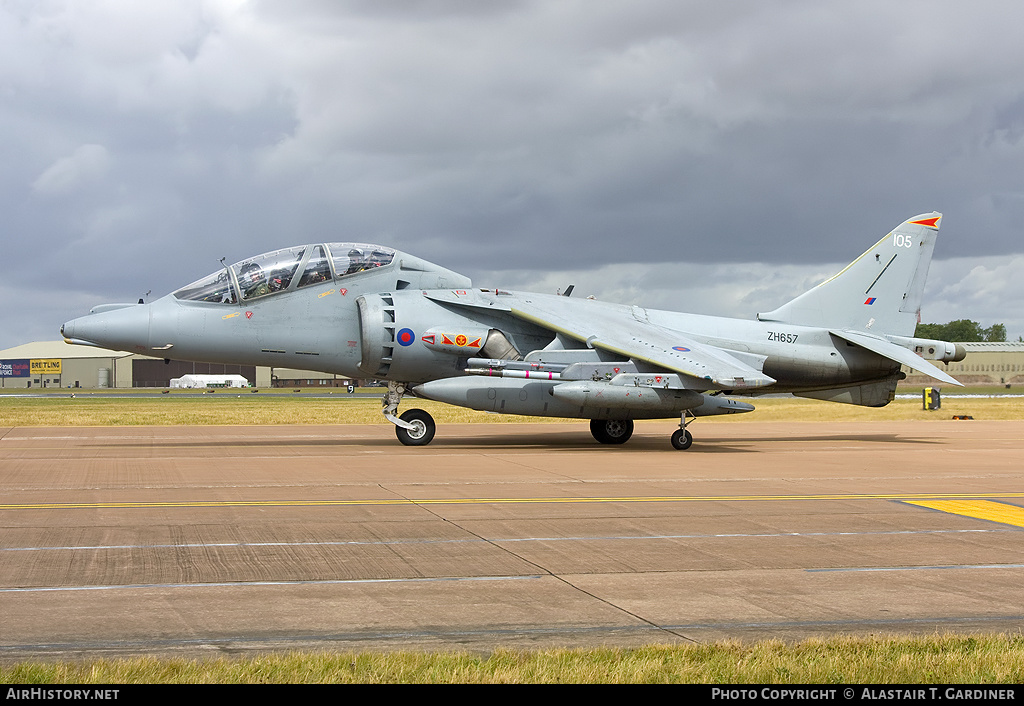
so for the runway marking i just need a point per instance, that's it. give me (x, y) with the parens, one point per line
(980, 509)
(915, 568)
(495, 540)
(905, 497)
(238, 584)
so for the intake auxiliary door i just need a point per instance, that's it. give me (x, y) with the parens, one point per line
(376, 333)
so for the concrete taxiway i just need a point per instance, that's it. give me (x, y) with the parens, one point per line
(212, 540)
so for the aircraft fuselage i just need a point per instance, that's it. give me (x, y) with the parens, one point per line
(323, 328)
(372, 312)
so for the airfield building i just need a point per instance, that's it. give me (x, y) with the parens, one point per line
(985, 364)
(55, 364)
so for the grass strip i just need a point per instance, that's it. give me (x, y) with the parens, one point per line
(945, 659)
(226, 408)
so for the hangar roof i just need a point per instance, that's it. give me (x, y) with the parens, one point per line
(58, 349)
(994, 347)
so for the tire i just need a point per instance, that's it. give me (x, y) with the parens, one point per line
(423, 429)
(611, 431)
(681, 439)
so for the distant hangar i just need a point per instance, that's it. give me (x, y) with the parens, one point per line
(56, 364)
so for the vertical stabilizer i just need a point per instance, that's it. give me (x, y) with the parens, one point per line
(879, 292)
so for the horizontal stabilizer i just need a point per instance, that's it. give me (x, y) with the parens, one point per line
(899, 354)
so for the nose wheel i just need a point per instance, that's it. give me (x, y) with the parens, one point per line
(420, 431)
(415, 427)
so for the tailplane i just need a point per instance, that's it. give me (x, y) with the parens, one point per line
(879, 292)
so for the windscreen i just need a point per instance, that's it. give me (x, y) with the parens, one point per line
(353, 258)
(279, 271)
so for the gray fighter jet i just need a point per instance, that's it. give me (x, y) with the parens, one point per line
(368, 311)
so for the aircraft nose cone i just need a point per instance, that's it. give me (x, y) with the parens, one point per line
(68, 329)
(119, 329)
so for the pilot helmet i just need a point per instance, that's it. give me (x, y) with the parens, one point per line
(253, 272)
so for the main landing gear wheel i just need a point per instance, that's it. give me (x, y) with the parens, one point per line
(422, 431)
(681, 439)
(611, 431)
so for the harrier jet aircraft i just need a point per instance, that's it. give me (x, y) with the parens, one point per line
(368, 311)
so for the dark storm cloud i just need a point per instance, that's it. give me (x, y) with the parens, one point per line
(524, 141)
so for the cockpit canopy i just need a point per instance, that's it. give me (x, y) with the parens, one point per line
(285, 270)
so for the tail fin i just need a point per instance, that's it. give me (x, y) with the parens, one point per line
(879, 292)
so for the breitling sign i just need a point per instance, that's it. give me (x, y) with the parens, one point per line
(45, 366)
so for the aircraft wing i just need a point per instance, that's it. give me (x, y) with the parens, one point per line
(901, 355)
(616, 331)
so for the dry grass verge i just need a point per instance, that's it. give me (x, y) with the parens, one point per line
(227, 408)
(949, 659)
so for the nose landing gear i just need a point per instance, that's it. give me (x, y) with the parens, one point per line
(420, 431)
(415, 427)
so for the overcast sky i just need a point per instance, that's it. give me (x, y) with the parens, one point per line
(713, 157)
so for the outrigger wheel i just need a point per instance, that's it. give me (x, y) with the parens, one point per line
(421, 430)
(681, 439)
(611, 431)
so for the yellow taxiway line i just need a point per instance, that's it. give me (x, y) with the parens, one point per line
(933, 500)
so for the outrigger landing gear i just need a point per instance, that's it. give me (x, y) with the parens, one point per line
(681, 439)
(415, 427)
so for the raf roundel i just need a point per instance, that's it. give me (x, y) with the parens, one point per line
(406, 337)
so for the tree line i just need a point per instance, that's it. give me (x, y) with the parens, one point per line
(962, 330)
